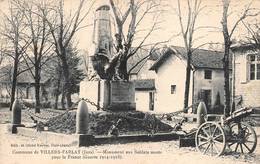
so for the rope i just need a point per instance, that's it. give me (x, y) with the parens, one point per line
(42, 117)
(172, 114)
(151, 120)
(93, 104)
(29, 112)
(152, 125)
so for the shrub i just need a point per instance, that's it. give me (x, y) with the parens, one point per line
(218, 108)
(4, 104)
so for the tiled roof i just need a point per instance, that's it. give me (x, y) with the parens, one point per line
(200, 58)
(144, 84)
(244, 47)
(161, 59)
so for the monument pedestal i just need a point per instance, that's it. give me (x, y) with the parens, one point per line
(122, 96)
(110, 95)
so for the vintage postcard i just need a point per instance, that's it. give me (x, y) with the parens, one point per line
(129, 81)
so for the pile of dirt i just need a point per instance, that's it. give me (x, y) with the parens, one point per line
(101, 123)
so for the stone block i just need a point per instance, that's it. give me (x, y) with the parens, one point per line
(122, 96)
(86, 140)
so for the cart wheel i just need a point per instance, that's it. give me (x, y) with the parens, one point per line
(243, 137)
(210, 139)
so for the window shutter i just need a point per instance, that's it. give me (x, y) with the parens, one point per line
(244, 68)
(248, 62)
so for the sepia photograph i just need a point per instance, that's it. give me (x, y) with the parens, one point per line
(129, 81)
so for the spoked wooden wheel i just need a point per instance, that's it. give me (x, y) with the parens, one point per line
(243, 138)
(210, 139)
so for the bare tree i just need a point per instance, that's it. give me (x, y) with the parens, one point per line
(227, 35)
(6, 73)
(54, 71)
(187, 32)
(253, 30)
(136, 12)
(62, 30)
(39, 51)
(2, 51)
(13, 31)
(1, 57)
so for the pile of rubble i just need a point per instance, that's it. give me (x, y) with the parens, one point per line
(101, 122)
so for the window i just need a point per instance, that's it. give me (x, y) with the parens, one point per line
(252, 71)
(254, 67)
(173, 89)
(207, 74)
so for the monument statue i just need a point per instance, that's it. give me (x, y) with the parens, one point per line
(104, 60)
(108, 90)
(102, 40)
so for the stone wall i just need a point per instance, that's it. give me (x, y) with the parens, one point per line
(248, 89)
(94, 91)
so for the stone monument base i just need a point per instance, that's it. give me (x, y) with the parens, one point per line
(110, 95)
(12, 128)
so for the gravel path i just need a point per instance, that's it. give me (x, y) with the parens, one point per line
(162, 152)
(12, 152)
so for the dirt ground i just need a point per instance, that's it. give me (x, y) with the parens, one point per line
(16, 149)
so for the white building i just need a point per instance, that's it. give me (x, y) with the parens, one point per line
(161, 88)
(247, 74)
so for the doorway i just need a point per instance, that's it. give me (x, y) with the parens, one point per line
(151, 101)
(206, 96)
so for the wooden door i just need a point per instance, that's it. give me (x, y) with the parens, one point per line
(151, 101)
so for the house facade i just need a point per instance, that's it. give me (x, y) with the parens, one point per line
(169, 74)
(144, 94)
(246, 67)
(25, 88)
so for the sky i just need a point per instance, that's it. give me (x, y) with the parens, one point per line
(169, 26)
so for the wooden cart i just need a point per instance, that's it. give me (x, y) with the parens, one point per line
(231, 133)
